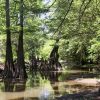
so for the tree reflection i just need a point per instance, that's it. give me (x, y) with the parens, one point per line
(43, 81)
(20, 86)
(11, 85)
(51, 76)
(8, 85)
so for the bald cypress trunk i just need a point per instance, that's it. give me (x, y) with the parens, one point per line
(9, 67)
(20, 54)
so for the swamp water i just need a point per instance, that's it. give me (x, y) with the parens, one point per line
(42, 86)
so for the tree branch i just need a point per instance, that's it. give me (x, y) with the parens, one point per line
(81, 14)
(64, 17)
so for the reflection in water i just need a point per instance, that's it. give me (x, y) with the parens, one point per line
(41, 86)
(37, 87)
(11, 85)
(20, 86)
(14, 85)
(8, 85)
(46, 92)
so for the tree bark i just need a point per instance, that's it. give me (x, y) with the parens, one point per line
(20, 54)
(9, 66)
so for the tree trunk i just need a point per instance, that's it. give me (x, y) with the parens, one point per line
(9, 66)
(20, 54)
(54, 58)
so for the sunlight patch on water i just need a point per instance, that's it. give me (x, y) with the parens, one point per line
(43, 92)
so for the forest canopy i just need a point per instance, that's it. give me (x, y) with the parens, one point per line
(34, 27)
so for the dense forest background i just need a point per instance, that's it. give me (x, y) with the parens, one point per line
(32, 28)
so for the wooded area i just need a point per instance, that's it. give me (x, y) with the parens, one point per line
(48, 35)
(34, 28)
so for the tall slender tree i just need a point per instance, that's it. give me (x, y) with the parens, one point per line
(20, 54)
(9, 67)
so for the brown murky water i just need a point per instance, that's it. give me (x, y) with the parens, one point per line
(39, 87)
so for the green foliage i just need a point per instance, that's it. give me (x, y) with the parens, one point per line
(2, 48)
(32, 44)
(74, 50)
(35, 79)
(94, 50)
(46, 49)
(78, 31)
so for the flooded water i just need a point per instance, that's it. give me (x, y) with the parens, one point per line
(44, 86)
